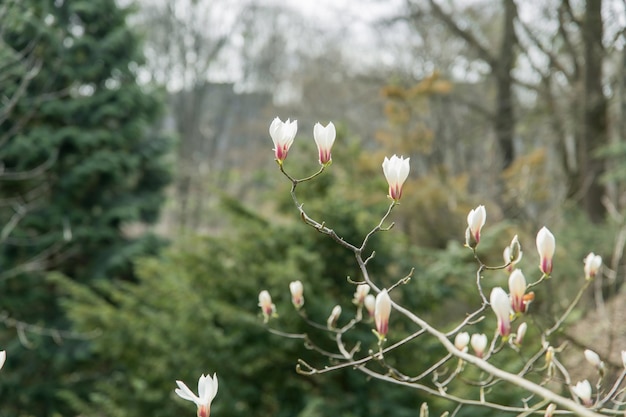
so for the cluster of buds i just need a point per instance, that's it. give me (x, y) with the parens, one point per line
(517, 301)
(207, 389)
(478, 341)
(378, 308)
(507, 306)
(396, 169)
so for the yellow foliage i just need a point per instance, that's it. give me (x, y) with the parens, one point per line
(407, 110)
(526, 180)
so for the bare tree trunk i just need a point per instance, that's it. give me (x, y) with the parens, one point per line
(594, 129)
(504, 122)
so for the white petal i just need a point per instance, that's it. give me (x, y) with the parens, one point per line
(185, 393)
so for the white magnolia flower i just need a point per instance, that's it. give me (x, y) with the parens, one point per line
(396, 170)
(283, 134)
(207, 389)
(324, 138)
(583, 391)
(593, 263)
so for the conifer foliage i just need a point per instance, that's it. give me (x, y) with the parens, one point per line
(81, 172)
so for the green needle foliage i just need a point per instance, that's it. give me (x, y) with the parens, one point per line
(93, 174)
(194, 310)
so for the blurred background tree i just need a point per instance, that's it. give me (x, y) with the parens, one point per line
(194, 309)
(82, 173)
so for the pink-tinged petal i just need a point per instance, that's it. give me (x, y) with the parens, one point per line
(546, 245)
(517, 289)
(501, 306)
(382, 312)
(396, 170)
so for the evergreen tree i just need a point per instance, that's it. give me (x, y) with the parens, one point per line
(91, 173)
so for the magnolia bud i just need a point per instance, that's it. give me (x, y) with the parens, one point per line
(583, 391)
(361, 292)
(475, 221)
(382, 312)
(594, 359)
(521, 332)
(265, 302)
(479, 344)
(334, 316)
(550, 410)
(593, 263)
(546, 245)
(297, 297)
(501, 305)
(370, 304)
(517, 289)
(512, 254)
(461, 341)
(424, 410)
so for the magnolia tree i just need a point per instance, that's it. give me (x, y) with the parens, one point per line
(554, 394)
